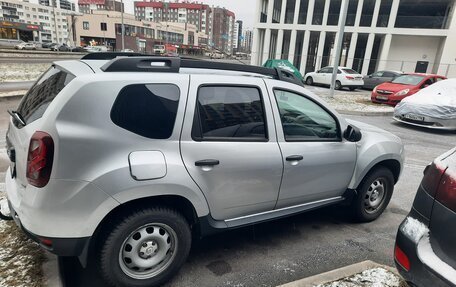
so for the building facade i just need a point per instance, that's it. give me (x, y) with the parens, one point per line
(221, 30)
(237, 36)
(62, 4)
(247, 41)
(33, 22)
(87, 6)
(405, 35)
(102, 28)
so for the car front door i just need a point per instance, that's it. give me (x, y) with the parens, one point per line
(318, 162)
(327, 75)
(229, 145)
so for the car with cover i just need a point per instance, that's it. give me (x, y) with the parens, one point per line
(425, 253)
(127, 158)
(346, 78)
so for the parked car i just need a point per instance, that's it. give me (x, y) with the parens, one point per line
(128, 50)
(401, 87)
(52, 46)
(47, 45)
(78, 49)
(159, 49)
(25, 46)
(95, 49)
(62, 48)
(136, 157)
(171, 54)
(346, 78)
(380, 77)
(425, 251)
(433, 107)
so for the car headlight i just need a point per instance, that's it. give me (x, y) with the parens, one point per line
(403, 92)
(375, 89)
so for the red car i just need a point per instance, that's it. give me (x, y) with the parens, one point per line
(391, 93)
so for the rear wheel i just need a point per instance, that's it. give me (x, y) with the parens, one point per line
(146, 248)
(374, 194)
(309, 81)
(338, 85)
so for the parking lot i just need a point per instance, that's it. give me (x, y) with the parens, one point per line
(285, 250)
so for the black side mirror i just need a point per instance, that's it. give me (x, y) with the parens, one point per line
(353, 134)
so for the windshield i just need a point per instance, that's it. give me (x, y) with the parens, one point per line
(408, 80)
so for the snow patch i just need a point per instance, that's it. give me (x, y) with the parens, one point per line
(376, 277)
(414, 229)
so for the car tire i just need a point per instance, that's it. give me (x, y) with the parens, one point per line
(338, 85)
(352, 88)
(309, 81)
(373, 195)
(145, 248)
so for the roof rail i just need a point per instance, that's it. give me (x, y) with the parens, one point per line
(109, 55)
(143, 63)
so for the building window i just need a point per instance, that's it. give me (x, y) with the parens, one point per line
(318, 11)
(289, 11)
(85, 25)
(302, 18)
(426, 15)
(367, 13)
(334, 11)
(103, 26)
(351, 13)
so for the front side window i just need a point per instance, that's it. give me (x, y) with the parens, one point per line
(229, 113)
(304, 120)
(148, 110)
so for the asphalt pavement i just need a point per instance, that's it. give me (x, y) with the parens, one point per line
(285, 250)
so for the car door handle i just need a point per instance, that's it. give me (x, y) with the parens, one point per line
(295, 158)
(207, 162)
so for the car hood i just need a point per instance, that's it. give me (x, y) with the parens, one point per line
(370, 128)
(394, 87)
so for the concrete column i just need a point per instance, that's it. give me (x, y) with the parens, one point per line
(385, 52)
(310, 11)
(376, 12)
(270, 11)
(321, 46)
(326, 13)
(352, 49)
(282, 11)
(305, 49)
(296, 12)
(257, 11)
(359, 11)
(266, 46)
(255, 47)
(393, 13)
(368, 54)
(279, 44)
(292, 50)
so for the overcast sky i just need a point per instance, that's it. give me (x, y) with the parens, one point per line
(244, 9)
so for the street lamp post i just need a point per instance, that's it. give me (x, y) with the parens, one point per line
(122, 25)
(340, 41)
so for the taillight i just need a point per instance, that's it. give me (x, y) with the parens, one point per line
(446, 193)
(401, 258)
(432, 176)
(349, 77)
(39, 160)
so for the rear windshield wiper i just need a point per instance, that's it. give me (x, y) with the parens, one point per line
(17, 116)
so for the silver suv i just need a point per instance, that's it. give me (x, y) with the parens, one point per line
(128, 158)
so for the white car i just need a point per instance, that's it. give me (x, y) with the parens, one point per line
(346, 77)
(25, 46)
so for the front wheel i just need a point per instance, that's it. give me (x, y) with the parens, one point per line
(146, 248)
(338, 85)
(374, 194)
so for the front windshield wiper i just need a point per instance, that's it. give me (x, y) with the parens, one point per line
(17, 116)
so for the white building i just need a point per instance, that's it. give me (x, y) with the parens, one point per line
(33, 22)
(406, 35)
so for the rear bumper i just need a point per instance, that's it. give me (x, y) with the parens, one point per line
(58, 246)
(426, 268)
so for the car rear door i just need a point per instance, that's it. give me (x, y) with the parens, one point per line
(229, 145)
(443, 217)
(318, 163)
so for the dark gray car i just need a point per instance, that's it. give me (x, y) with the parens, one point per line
(380, 77)
(425, 251)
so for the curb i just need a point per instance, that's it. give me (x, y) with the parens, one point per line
(51, 271)
(360, 113)
(337, 274)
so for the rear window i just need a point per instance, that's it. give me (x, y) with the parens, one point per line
(350, 71)
(148, 110)
(43, 92)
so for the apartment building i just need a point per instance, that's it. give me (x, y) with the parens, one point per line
(104, 28)
(62, 4)
(33, 22)
(87, 6)
(406, 35)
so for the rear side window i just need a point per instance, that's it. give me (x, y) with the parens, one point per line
(350, 71)
(148, 110)
(227, 113)
(43, 92)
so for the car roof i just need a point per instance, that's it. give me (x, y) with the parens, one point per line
(424, 75)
